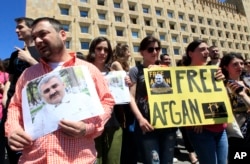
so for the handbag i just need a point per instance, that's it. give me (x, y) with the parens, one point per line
(233, 130)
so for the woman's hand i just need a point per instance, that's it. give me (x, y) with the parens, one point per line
(219, 75)
(145, 125)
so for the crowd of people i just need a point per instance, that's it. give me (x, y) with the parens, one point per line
(123, 134)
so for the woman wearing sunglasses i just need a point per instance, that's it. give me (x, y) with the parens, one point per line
(209, 141)
(154, 145)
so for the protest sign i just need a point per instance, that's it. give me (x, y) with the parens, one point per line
(191, 97)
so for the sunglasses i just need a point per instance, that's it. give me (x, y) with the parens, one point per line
(151, 49)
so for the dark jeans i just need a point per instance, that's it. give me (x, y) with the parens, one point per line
(211, 147)
(156, 146)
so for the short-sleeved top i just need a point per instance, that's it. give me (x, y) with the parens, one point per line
(17, 66)
(141, 98)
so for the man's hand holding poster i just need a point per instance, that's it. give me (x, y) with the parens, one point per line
(67, 94)
(186, 96)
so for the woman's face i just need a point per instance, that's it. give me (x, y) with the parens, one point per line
(101, 52)
(199, 55)
(151, 53)
(127, 54)
(235, 68)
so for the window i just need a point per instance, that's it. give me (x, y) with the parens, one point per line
(149, 33)
(176, 51)
(65, 27)
(200, 20)
(85, 45)
(147, 22)
(183, 27)
(133, 20)
(232, 26)
(170, 14)
(191, 18)
(217, 24)
(119, 32)
(135, 34)
(84, 29)
(164, 50)
(209, 22)
(234, 36)
(225, 25)
(100, 2)
(174, 38)
(101, 16)
(203, 31)
(193, 29)
(103, 31)
(220, 33)
(185, 40)
(64, 11)
(211, 32)
(245, 29)
(172, 26)
(145, 10)
(227, 35)
(84, 14)
(67, 44)
(158, 12)
(118, 18)
(132, 7)
(222, 43)
(117, 5)
(241, 37)
(181, 17)
(84, 1)
(136, 48)
(237, 46)
(162, 37)
(160, 24)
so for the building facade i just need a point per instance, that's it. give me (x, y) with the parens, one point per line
(175, 22)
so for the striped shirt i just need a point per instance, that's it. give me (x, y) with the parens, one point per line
(56, 147)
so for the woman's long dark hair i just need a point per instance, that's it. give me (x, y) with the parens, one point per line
(94, 43)
(226, 59)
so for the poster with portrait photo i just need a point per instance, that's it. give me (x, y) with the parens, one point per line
(118, 87)
(67, 94)
(160, 82)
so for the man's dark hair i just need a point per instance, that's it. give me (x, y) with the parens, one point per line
(213, 46)
(55, 23)
(28, 21)
(162, 55)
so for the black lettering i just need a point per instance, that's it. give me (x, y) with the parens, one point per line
(191, 74)
(203, 80)
(175, 116)
(194, 110)
(179, 77)
(214, 82)
(158, 115)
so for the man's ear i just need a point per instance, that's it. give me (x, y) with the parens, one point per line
(63, 34)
